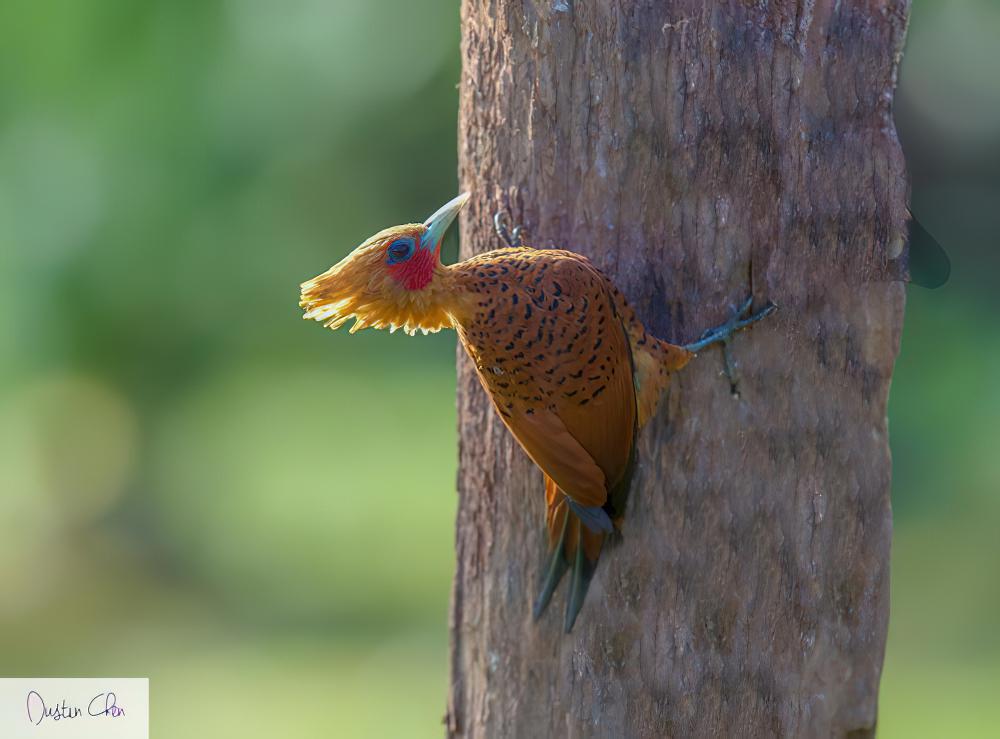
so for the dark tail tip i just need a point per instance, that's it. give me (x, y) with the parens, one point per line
(583, 573)
(554, 570)
(560, 561)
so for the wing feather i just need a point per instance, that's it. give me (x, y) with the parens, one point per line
(573, 408)
(560, 456)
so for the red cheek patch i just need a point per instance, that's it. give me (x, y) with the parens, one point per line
(416, 272)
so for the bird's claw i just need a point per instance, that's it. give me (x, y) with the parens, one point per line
(744, 309)
(510, 237)
(728, 365)
(729, 370)
(740, 318)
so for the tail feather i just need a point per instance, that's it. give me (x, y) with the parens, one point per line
(557, 566)
(571, 545)
(583, 573)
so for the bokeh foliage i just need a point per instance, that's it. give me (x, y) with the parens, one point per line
(200, 487)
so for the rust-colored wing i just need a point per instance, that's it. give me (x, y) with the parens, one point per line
(553, 355)
(597, 403)
(560, 456)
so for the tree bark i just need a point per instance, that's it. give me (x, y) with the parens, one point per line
(682, 146)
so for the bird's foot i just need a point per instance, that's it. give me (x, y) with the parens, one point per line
(741, 318)
(510, 237)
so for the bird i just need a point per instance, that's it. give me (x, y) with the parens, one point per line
(570, 369)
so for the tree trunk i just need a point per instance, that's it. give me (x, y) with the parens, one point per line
(683, 146)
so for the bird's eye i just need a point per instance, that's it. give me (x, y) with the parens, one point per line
(400, 250)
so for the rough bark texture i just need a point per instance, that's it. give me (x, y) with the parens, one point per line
(676, 144)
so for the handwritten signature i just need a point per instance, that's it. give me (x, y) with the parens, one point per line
(102, 704)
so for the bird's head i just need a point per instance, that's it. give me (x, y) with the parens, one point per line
(393, 280)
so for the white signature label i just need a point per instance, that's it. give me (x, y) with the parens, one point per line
(74, 708)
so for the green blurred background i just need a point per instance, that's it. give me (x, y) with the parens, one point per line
(194, 483)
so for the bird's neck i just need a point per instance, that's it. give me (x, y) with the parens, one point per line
(442, 303)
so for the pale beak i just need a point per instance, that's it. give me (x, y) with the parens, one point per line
(438, 223)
